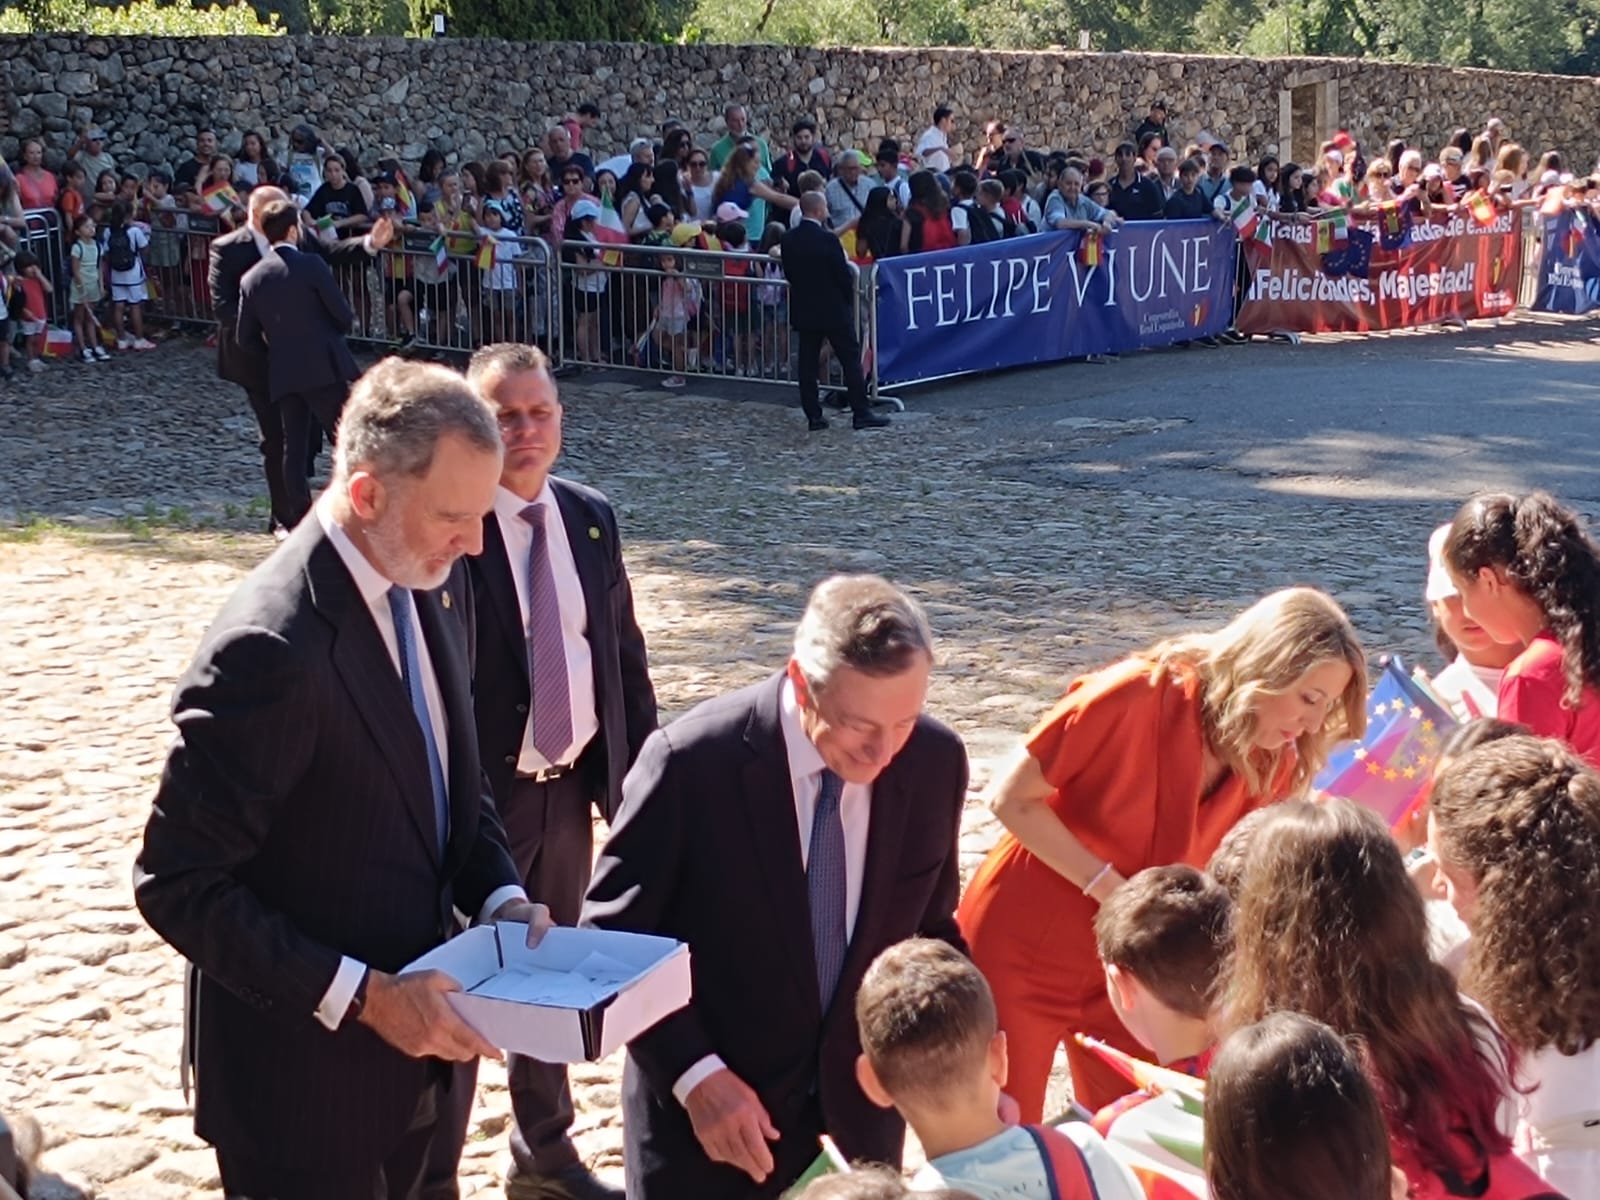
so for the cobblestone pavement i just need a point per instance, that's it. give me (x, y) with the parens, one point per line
(132, 496)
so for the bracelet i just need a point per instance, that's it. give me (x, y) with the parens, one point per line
(1098, 876)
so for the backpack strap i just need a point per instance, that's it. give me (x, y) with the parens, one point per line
(1068, 1176)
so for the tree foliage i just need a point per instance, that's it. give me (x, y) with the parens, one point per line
(146, 18)
(551, 20)
(1516, 35)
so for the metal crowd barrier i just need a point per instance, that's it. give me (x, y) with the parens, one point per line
(42, 237)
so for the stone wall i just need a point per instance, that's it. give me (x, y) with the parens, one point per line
(469, 98)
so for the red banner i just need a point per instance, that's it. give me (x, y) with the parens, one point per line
(1362, 280)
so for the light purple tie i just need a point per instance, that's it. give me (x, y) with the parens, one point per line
(547, 653)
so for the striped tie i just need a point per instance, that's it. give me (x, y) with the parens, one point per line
(400, 608)
(825, 887)
(547, 652)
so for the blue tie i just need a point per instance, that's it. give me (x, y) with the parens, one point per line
(825, 887)
(411, 675)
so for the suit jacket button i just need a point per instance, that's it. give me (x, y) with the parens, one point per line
(522, 709)
(511, 760)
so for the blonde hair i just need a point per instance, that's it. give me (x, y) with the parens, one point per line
(1262, 652)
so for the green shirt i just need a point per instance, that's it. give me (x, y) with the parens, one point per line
(723, 149)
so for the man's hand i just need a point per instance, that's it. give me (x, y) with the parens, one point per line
(537, 917)
(382, 232)
(731, 1123)
(410, 1012)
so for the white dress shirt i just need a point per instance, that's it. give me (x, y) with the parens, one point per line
(374, 590)
(518, 535)
(855, 812)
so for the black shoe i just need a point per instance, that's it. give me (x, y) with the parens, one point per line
(816, 424)
(576, 1182)
(867, 420)
(838, 400)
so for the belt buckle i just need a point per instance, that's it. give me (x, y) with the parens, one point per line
(550, 774)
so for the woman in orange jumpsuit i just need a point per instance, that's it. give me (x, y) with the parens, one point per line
(1144, 763)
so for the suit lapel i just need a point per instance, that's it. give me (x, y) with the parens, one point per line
(588, 553)
(375, 687)
(464, 785)
(501, 584)
(769, 809)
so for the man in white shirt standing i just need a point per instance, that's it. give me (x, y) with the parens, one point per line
(322, 814)
(933, 147)
(788, 832)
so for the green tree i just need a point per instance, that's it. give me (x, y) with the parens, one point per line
(550, 20)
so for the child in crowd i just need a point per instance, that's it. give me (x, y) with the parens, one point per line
(932, 1048)
(1162, 937)
(85, 292)
(168, 228)
(1328, 924)
(738, 338)
(589, 285)
(1514, 830)
(1528, 572)
(499, 277)
(1471, 683)
(677, 304)
(123, 244)
(871, 1183)
(1290, 1113)
(1232, 855)
(33, 313)
(772, 301)
(74, 199)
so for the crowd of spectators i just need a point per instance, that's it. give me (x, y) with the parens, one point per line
(733, 191)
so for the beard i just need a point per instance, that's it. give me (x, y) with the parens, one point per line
(398, 562)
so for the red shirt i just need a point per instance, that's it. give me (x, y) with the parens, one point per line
(1531, 694)
(37, 193)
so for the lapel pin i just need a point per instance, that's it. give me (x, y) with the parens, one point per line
(445, 599)
(594, 533)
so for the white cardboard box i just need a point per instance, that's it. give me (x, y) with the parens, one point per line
(578, 996)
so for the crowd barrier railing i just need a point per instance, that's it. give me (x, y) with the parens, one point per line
(42, 237)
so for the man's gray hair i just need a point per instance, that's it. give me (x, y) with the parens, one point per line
(862, 622)
(813, 204)
(398, 411)
(505, 358)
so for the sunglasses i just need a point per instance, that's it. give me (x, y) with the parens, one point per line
(699, 162)
(572, 179)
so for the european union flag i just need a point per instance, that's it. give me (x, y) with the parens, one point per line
(1389, 770)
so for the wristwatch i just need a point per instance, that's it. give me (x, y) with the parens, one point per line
(358, 1001)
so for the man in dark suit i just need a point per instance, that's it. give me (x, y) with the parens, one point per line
(293, 317)
(563, 701)
(323, 813)
(232, 255)
(822, 291)
(788, 833)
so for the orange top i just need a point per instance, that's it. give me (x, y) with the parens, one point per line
(1125, 751)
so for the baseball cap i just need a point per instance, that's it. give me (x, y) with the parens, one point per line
(860, 156)
(729, 211)
(1433, 171)
(585, 208)
(1440, 585)
(1219, 144)
(385, 177)
(1204, 140)
(1343, 140)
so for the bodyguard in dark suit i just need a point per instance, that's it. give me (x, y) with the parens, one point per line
(232, 255)
(822, 292)
(788, 832)
(293, 316)
(323, 813)
(563, 701)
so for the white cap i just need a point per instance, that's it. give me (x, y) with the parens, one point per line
(1204, 140)
(1440, 585)
(729, 211)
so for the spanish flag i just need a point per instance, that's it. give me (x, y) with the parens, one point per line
(1091, 250)
(1481, 208)
(486, 254)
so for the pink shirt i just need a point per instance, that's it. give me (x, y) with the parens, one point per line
(37, 193)
(1531, 694)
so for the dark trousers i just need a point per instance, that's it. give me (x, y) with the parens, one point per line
(684, 1170)
(300, 410)
(551, 834)
(847, 350)
(399, 1177)
(269, 419)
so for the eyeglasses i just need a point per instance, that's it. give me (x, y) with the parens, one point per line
(572, 179)
(699, 162)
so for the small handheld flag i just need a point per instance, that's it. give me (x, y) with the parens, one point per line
(1091, 250)
(1244, 216)
(219, 197)
(1481, 208)
(441, 252)
(486, 254)
(1143, 1075)
(1389, 771)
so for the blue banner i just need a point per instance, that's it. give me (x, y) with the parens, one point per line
(1569, 268)
(1050, 296)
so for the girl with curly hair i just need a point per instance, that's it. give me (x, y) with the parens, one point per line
(1291, 1112)
(1144, 763)
(1515, 835)
(1328, 924)
(1528, 572)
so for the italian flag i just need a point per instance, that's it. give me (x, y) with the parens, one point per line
(1245, 218)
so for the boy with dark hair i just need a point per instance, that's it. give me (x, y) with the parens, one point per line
(1162, 937)
(932, 1048)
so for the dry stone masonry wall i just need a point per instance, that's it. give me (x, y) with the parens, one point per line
(470, 98)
